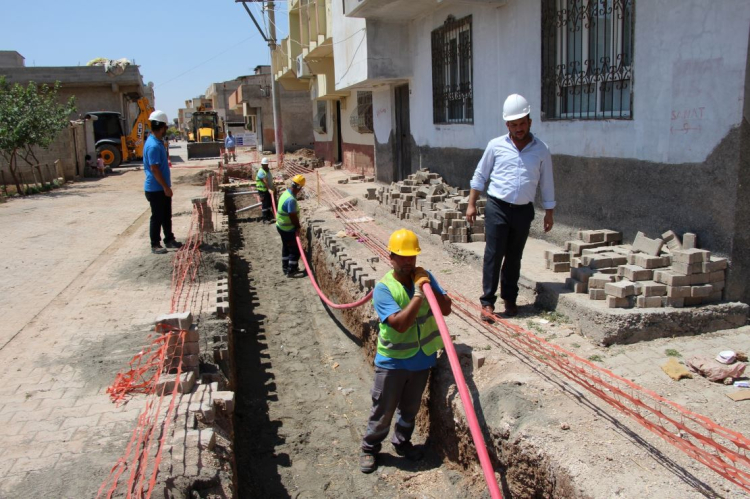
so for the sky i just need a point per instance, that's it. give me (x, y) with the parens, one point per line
(182, 46)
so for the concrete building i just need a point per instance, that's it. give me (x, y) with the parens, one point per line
(219, 94)
(644, 105)
(252, 102)
(93, 88)
(11, 59)
(308, 60)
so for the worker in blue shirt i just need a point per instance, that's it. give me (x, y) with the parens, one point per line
(158, 184)
(408, 341)
(229, 145)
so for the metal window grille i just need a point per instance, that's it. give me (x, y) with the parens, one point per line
(320, 120)
(452, 72)
(587, 59)
(361, 120)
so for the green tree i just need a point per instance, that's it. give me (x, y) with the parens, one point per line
(30, 117)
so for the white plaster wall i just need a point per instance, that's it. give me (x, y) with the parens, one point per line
(382, 113)
(349, 48)
(689, 67)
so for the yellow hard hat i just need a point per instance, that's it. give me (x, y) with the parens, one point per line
(299, 180)
(404, 242)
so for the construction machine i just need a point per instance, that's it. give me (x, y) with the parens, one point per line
(113, 143)
(205, 137)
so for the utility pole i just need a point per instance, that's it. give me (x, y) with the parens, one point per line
(275, 90)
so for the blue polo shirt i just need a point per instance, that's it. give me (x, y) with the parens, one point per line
(155, 153)
(385, 306)
(229, 142)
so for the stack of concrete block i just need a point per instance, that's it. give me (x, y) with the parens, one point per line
(205, 215)
(439, 208)
(651, 273)
(695, 278)
(557, 261)
(184, 352)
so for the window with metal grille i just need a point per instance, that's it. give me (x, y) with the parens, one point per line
(452, 72)
(361, 118)
(587, 59)
(320, 120)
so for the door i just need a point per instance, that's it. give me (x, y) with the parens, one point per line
(337, 127)
(402, 164)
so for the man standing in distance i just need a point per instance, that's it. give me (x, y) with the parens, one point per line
(230, 145)
(513, 164)
(158, 185)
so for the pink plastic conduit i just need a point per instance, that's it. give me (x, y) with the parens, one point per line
(471, 416)
(323, 297)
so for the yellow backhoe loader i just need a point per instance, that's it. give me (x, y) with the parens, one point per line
(111, 140)
(206, 137)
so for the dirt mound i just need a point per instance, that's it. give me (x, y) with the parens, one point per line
(305, 153)
(198, 178)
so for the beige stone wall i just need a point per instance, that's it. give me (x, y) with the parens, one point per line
(69, 147)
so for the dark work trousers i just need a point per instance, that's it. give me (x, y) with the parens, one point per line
(266, 206)
(393, 389)
(506, 229)
(161, 217)
(289, 251)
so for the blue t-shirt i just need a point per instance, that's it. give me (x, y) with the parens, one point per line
(154, 153)
(385, 306)
(229, 142)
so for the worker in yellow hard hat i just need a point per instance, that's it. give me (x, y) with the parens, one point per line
(408, 342)
(287, 223)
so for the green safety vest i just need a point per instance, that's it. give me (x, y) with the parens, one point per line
(283, 221)
(259, 181)
(423, 334)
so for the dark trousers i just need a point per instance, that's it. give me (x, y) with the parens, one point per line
(266, 206)
(161, 216)
(506, 230)
(394, 389)
(289, 251)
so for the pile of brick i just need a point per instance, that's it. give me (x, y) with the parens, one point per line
(652, 273)
(188, 354)
(439, 208)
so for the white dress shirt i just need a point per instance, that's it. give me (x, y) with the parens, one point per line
(514, 175)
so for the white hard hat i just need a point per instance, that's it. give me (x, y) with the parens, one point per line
(159, 116)
(264, 161)
(515, 107)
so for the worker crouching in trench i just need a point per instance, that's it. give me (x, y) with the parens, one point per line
(408, 342)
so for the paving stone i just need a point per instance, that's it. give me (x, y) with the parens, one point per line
(649, 302)
(689, 240)
(678, 291)
(701, 291)
(598, 280)
(691, 255)
(596, 294)
(647, 245)
(615, 302)
(635, 273)
(687, 268)
(620, 289)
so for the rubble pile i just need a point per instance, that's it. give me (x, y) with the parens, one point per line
(652, 273)
(439, 208)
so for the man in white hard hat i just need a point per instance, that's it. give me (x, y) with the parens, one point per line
(513, 165)
(158, 185)
(265, 187)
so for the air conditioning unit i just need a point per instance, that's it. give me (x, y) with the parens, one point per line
(303, 70)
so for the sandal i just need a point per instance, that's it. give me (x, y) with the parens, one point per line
(367, 463)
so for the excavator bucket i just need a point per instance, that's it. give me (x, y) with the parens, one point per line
(203, 150)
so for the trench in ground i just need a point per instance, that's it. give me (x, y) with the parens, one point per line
(302, 374)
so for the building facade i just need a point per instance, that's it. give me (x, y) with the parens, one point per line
(643, 104)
